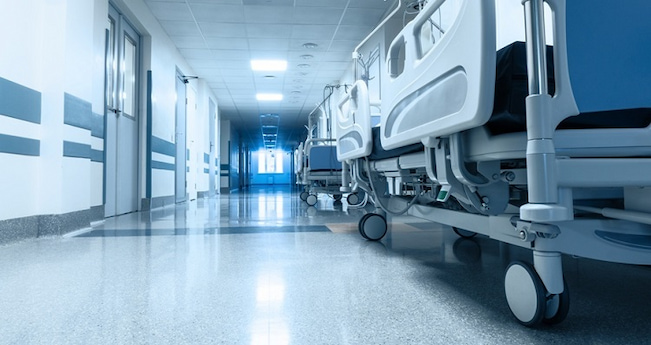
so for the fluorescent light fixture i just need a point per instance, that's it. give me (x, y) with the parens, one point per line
(269, 65)
(269, 96)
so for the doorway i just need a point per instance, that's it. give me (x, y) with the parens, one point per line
(122, 118)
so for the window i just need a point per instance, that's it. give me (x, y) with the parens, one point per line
(270, 162)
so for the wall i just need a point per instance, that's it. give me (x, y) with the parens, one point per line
(52, 113)
(51, 108)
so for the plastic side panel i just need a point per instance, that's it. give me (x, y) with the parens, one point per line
(450, 88)
(609, 53)
(353, 124)
(323, 158)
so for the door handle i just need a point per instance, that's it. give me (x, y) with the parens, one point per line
(115, 111)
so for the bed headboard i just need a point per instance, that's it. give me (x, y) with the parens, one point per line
(447, 89)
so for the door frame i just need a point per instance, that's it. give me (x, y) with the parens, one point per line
(180, 157)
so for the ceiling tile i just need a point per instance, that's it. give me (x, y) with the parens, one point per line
(316, 3)
(269, 43)
(268, 30)
(223, 29)
(211, 12)
(197, 54)
(353, 32)
(317, 15)
(269, 2)
(268, 14)
(385, 4)
(170, 10)
(176, 28)
(188, 41)
(227, 43)
(221, 54)
(316, 32)
(362, 16)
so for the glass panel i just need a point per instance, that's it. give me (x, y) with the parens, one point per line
(129, 81)
(111, 66)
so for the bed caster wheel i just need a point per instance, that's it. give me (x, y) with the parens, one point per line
(529, 301)
(463, 233)
(352, 199)
(311, 199)
(525, 294)
(337, 197)
(557, 307)
(304, 195)
(372, 226)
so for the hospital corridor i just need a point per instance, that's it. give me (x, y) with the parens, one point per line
(307, 172)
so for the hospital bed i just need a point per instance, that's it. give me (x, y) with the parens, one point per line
(319, 170)
(566, 171)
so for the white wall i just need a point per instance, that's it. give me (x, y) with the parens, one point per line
(50, 47)
(57, 47)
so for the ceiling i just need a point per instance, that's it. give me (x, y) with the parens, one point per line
(218, 38)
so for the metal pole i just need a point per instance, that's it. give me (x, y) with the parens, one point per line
(536, 51)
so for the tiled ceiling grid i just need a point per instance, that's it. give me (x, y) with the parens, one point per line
(218, 38)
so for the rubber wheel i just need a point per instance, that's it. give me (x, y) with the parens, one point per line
(373, 227)
(525, 293)
(304, 195)
(353, 199)
(463, 233)
(360, 224)
(337, 197)
(557, 306)
(311, 199)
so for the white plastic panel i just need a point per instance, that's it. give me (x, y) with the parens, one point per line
(354, 137)
(451, 87)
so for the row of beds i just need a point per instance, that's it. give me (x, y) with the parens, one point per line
(542, 147)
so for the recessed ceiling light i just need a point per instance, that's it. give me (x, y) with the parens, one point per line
(303, 65)
(307, 57)
(269, 65)
(269, 97)
(310, 45)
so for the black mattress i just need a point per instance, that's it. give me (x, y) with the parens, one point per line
(509, 113)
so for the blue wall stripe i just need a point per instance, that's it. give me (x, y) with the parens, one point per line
(76, 150)
(19, 102)
(159, 145)
(20, 145)
(77, 112)
(97, 125)
(206, 158)
(162, 166)
(206, 171)
(148, 150)
(97, 156)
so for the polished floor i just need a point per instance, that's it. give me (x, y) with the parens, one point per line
(261, 267)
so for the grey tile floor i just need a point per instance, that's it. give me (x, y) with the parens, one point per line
(261, 267)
